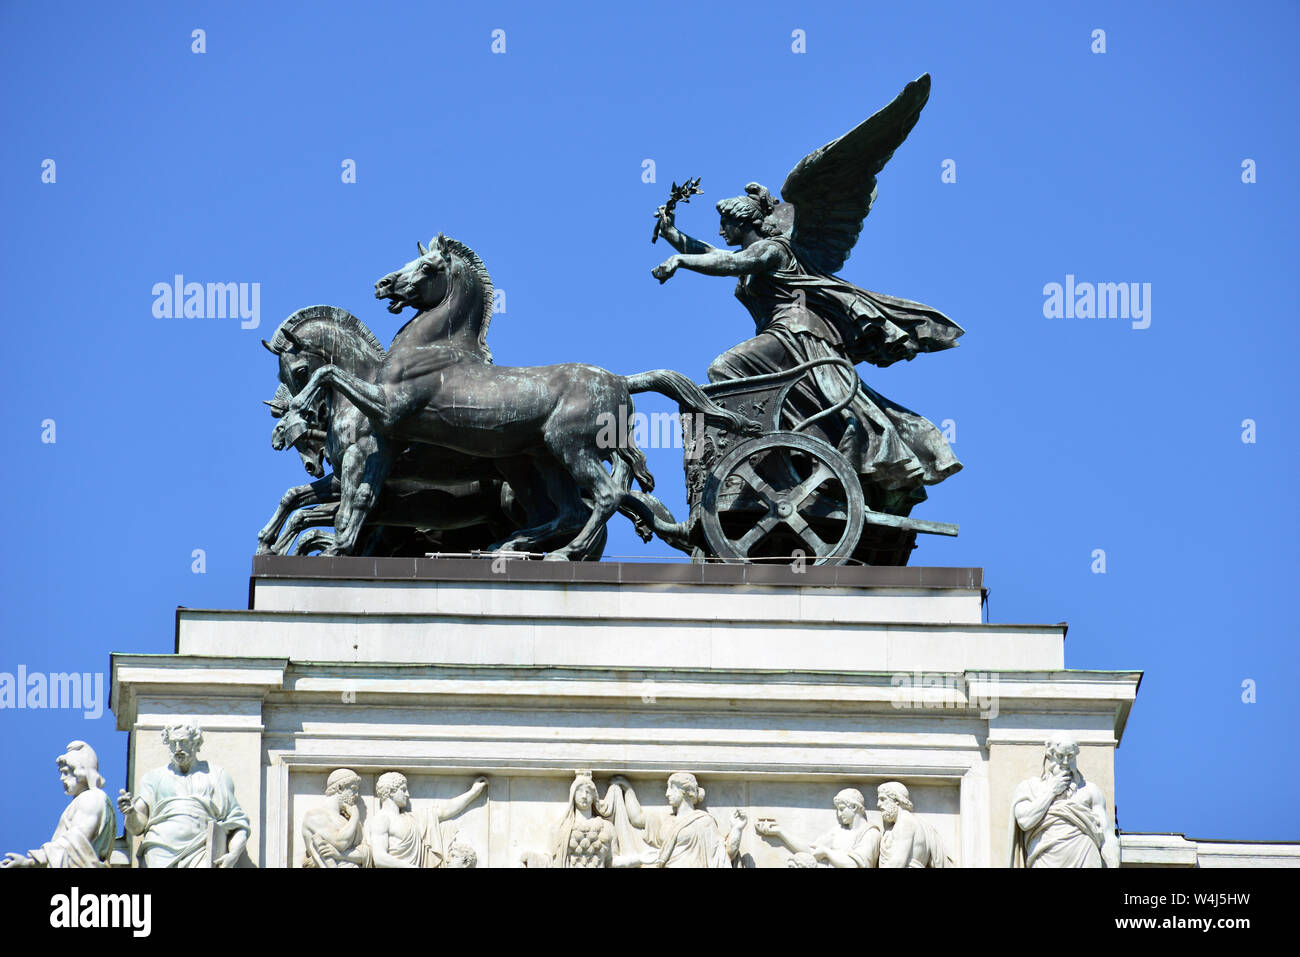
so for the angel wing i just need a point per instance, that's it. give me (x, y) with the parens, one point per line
(832, 188)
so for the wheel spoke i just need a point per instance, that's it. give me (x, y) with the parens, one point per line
(757, 533)
(756, 493)
(809, 537)
(809, 485)
(751, 478)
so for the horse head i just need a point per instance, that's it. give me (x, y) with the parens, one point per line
(424, 282)
(308, 339)
(298, 360)
(448, 282)
(311, 451)
(297, 431)
(322, 335)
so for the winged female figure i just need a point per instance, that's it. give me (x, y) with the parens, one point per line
(789, 254)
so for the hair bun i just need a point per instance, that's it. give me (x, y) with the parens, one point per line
(761, 195)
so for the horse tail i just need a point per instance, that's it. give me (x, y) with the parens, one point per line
(625, 466)
(685, 392)
(635, 460)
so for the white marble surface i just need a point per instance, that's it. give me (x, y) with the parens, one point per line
(704, 602)
(775, 696)
(622, 642)
(1175, 850)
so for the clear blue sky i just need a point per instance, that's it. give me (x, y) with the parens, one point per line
(1077, 434)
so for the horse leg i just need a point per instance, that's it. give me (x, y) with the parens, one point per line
(524, 539)
(313, 539)
(588, 470)
(295, 498)
(571, 511)
(371, 399)
(521, 475)
(361, 474)
(316, 517)
(526, 475)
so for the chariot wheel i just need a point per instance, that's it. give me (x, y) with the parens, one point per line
(782, 494)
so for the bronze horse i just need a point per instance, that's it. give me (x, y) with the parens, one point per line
(373, 484)
(436, 385)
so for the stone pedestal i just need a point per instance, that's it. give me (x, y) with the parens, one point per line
(777, 688)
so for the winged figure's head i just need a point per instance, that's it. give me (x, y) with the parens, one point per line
(753, 211)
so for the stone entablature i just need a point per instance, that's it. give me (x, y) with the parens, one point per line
(775, 689)
(1175, 850)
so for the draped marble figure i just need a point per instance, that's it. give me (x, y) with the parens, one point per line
(595, 832)
(1058, 819)
(86, 829)
(854, 842)
(403, 837)
(684, 835)
(908, 840)
(186, 813)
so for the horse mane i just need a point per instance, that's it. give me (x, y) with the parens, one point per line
(279, 402)
(484, 278)
(343, 322)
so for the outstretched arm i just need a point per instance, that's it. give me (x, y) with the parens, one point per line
(681, 242)
(775, 830)
(449, 809)
(758, 258)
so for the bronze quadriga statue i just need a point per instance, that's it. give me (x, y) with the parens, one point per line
(789, 454)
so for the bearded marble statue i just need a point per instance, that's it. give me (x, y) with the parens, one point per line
(1058, 819)
(335, 835)
(186, 813)
(908, 840)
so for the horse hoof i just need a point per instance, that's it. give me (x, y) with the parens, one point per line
(560, 556)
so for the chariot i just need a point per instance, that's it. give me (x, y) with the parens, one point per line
(788, 492)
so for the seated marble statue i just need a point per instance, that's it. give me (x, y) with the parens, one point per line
(854, 843)
(908, 840)
(186, 813)
(684, 835)
(1058, 819)
(335, 835)
(86, 829)
(401, 837)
